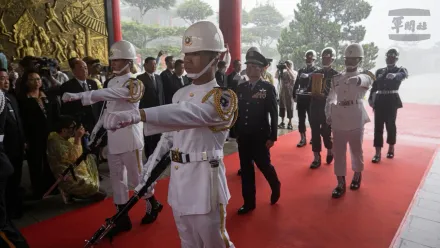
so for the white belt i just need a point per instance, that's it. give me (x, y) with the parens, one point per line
(184, 158)
(348, 103)
(386, 92)
(1, 138)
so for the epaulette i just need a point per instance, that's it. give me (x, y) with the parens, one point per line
(226, 106)
(136, 89)
(369, 73)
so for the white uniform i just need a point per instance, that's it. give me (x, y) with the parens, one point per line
(124, 145)
(346, 112)
(198, 193)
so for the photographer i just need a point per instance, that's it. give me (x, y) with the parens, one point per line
(286, 77)
(64, 148)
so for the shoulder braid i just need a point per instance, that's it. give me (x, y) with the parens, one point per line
(369, 73)
(136, 89)
(230, 112)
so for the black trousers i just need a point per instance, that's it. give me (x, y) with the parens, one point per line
(252, 148)
(150, 143)
(14, 195)
(303, 108)
(40, 173)
(9, 234)
(387, 117)
(320, 129)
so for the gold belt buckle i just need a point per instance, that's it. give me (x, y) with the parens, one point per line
(176, 156)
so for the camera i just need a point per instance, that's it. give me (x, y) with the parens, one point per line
(281, 66)
(46, 66)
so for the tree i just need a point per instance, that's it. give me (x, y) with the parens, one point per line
(141, 35)
(145, 5)
(321, 23)
(194, 10)
(265, 20)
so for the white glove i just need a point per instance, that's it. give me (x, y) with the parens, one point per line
(304, 75)
(391, 75)
(150, 190)
(69, 97)
(353, 80)
(329, 120)
(121, 119)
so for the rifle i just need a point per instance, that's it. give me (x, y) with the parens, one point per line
(110, 222)
(71, 168)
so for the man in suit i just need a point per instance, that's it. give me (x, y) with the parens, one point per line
(232, 79)
(9, 234)
(255, 134)
(153, 96)
(165, 76)
(176, 82)
(80, 83)
(220, 74)
(14, 143)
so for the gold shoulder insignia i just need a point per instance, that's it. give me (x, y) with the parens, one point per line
(136, 89)
(226, 105)
(369, 73)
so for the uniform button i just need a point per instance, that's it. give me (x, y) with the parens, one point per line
(246, 123)
(246, 117)
(176, 167)
(247, 110)
(247, 103)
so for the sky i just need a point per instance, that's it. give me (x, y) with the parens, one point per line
(378, 24)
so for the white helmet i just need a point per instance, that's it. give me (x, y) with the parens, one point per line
(122, 50)
(354, 50)
(203, 36)
(254, 49)
(329, 51)
(310, 52)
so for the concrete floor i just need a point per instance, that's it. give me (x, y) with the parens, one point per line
(37, 211)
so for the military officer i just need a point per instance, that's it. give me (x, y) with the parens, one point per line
(255, 134)
(320, 92)
(346, 113)
(125, 145)
(301, 94)
(385, 101)
(195, 128)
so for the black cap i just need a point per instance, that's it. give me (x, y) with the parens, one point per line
(269, 61)
(256, 58)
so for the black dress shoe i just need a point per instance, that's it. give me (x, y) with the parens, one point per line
(310, 142)
(390, 154)
(338, 191)
(356, 184)
(302, 142)
(275, 196)
(316, 163)
(239, 172)
(245, 209)
(122, 225)
(289, 126)
(376, 159)
(152, 215)
(329, 159)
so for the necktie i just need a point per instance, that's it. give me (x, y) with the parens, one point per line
(84, 84)
(182, 82)
(153, 79)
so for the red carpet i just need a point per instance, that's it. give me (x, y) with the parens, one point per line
(305, 217)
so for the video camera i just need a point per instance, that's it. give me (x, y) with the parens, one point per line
(45, 66)
(281, 66)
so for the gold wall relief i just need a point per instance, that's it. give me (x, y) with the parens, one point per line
(58, 29)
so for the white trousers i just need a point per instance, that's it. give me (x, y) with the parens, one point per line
(203, 230)
(122, 167)
(340, 139)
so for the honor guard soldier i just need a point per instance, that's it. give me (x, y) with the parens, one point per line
(320, 88)
(195, 128)
(125, 145)
(9, 235)
(346, 114)
(301, 94)
(385, 101)
(255, 134)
